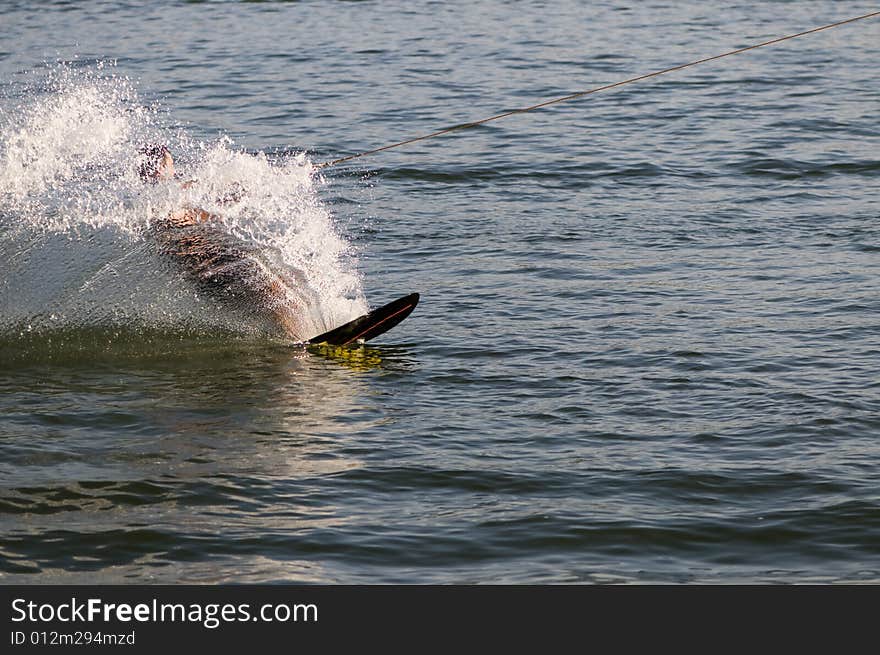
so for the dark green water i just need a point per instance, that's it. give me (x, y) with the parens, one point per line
(648, 343)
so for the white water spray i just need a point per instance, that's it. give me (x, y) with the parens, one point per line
(75, 244)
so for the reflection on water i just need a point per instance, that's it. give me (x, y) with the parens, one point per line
(355, 358)
(197, 407)
(110, 461)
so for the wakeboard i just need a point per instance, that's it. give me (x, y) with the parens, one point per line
(370, 325)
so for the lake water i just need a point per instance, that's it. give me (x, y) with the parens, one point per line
(648, 342)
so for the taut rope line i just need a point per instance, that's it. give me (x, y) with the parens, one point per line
(580, 94)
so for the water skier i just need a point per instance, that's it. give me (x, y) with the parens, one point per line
(217, 263)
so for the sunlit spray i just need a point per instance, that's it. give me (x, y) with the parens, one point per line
(77, 221)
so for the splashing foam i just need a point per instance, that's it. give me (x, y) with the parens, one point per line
(76, 246)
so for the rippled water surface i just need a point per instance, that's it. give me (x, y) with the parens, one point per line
(648, 343)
